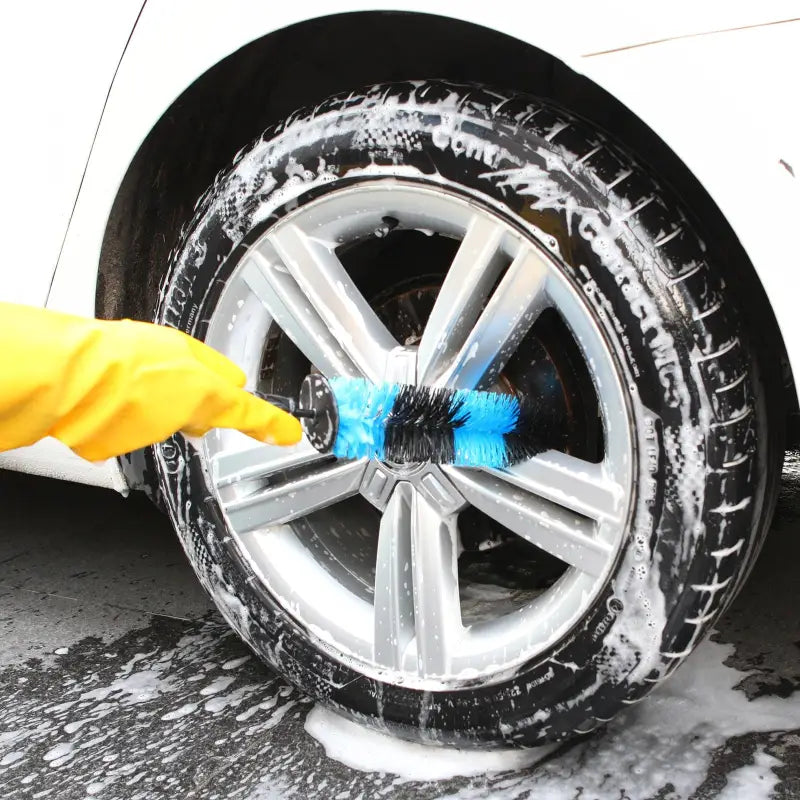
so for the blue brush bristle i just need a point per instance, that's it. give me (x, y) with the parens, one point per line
(363, 409)
(480, 449)
(488, 411)
(487, 418)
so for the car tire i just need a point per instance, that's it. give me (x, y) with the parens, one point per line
(703, 461)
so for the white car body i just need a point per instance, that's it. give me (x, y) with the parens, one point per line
(716, 81)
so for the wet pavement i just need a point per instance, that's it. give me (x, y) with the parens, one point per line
(119, 680)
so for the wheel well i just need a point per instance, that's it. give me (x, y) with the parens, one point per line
(263, 82)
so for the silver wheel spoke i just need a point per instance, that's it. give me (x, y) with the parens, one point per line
(458, 305)
(570, 482)
(416, 583)
(324, 282)
(232, 467)
(556, 530)
(509, 314)
(437, 607)
(297, 498)
(289, 308)
(394, 593)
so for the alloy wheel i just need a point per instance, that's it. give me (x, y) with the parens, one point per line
(365, 555)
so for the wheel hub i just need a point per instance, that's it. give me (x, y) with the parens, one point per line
(403, 471)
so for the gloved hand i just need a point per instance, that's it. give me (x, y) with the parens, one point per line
(106, 388)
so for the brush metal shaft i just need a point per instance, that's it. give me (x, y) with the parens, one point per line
(287, 404)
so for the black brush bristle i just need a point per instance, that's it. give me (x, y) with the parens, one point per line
(421, 424)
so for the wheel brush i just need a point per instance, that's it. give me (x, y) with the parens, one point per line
(401, 424)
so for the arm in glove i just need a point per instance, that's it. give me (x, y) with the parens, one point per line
(106, 388)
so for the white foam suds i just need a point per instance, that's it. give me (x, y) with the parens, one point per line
(179, 713)
(218, 685)
(369, 750)
(755, 780)
(138, 687)
(669, 738)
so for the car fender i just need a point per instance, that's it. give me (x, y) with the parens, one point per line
(715, 84)
(57, 63)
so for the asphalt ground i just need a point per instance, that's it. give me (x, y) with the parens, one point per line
(118, 679)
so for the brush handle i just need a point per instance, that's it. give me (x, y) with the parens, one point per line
(287, 404)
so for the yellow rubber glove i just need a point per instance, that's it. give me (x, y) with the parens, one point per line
(106, 388)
